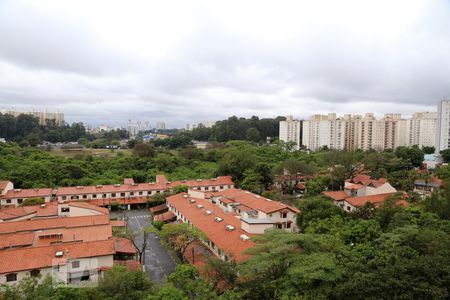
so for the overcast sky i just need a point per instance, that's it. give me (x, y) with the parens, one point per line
(103, 62)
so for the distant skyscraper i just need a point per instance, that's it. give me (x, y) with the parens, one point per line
(443, 137)
(290, 131)
(160, 125)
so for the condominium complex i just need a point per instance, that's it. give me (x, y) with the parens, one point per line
(363, 132)
(43, 116)
(422, 129)
(290, 131)
(443, 132)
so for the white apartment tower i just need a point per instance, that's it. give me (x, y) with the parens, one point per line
(290, 131)
(443, 126)
(421, 129)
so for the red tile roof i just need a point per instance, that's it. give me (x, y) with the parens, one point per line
(254, 201)
(132, 265)
(39, 224)
(374, 199)
(16, 240)
(42, 257)
(16, 212)
(123, 245)
(128, 181)
(167, 216)
(28, 193)
(336, 195)
(3, 184)
(228, 241)
(50, 209)
(158, 208)
(161, 179)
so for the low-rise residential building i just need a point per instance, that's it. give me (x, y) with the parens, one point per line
(104, 195)
(426, 187)
(363, 189)
(230, 218)
(72, 242)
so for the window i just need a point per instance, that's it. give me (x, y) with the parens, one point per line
(198, 188)
(76, 264)
(140, 193)
(86, 276)
(221, 187)
(64, 197)
(284, 215)
(94, 196)
(288, 225)
(8, 201)
(35, 273)
(279, 226)
(84, 196)
(113, 194)
(65, 209)
(206, 188)
(131, 193)
(19, 201)
(11, 277)
(122, 194)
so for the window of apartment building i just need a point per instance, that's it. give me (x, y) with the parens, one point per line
(65, 209)
(221, 187)
(198, 188)
(122, 194)
(11, 277)
(35, 273)
(104, 195)
(76, 264)
(131, 193)
(141, 193)
(206, 188)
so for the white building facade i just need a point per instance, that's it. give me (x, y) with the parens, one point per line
(290, 131)
(443, 126)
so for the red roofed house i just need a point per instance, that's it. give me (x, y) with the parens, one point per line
(103, 195)
(72, 242)
(229, 218)
(360, 190)
(427, 187)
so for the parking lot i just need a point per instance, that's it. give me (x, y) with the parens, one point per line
(157, 262)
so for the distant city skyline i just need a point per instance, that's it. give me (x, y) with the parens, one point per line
(186, 62)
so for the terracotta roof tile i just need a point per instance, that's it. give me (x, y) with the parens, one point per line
(123, 245)
(253, 201)
(336, 195)
(39, 224)
(28, 193)
(228, 241)
(41, 257)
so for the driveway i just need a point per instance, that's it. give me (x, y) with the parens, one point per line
(157, 262)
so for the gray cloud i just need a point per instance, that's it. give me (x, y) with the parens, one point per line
(51, 58)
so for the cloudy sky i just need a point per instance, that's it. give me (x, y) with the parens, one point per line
(191, 61)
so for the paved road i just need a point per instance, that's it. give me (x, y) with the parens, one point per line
(158, 263)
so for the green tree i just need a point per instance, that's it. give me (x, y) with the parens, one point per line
(252, 134)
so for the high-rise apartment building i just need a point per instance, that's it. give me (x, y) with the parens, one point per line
(443, 126)
(160, 125)
(394, 131)
(290, 131)
(43, 116)
(421, 129)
